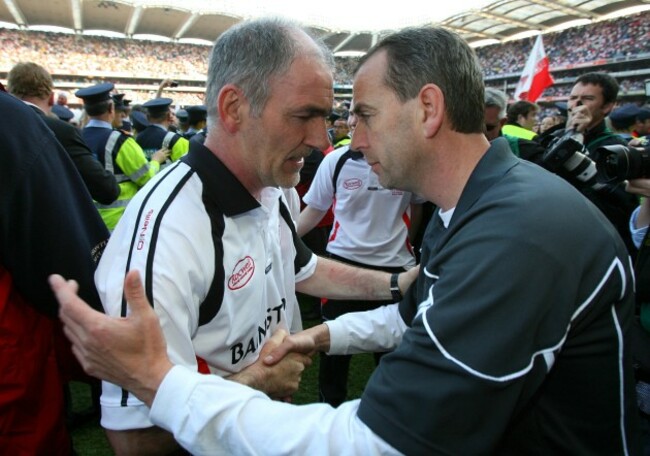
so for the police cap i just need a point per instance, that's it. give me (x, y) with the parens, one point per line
(62, 112)
(121, 104)
(139, 120)
(563, 107)
(644, 114)
(96, 93)
(181, 114)
(196, 114)
(157, 106)
(624, 116)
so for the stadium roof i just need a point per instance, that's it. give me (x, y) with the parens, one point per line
(345, 32)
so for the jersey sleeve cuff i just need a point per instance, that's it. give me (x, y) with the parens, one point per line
(338, 337)
(116, 417)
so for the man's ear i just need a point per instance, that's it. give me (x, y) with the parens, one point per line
(432, 105)
(50, 101)
(231, 103)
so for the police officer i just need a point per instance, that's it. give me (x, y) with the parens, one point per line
(157, 135)
(138, 121)
(196, 120)
(181, 116)
(122, 111)
(115, 150)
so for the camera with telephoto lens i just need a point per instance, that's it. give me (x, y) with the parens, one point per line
(569, 153)
(618, 163)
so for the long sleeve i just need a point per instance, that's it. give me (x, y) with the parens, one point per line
(212, 416)
(100, 183)
(379, 329)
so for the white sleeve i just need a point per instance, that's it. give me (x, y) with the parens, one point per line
(212, 416)
(380, 329)
(321, 191)
(293, 203)
(637, 233)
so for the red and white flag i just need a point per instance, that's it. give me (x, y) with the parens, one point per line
(536, 76)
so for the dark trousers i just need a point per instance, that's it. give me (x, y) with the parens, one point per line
(333, 377)
(334, 369)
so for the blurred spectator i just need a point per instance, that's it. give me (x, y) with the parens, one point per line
(521, 118)
(47, 223)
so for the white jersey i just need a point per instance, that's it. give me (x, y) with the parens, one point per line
(370, 222)
(219, 267)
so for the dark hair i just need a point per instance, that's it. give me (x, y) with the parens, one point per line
(423, 55)
(157, 116)
(606, 82)
(520, 108)
(97, 109)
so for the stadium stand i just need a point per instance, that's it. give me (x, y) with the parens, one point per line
(619, 46)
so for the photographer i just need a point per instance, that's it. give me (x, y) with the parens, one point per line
(592, 98)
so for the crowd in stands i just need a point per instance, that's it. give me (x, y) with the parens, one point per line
(74, 54)
(626, 85)
(622, 37)
(64, 54)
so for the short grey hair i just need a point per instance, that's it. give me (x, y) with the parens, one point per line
(496, 98)
(250, 54)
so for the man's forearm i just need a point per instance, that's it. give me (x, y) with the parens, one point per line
(143, 442)
(309, 218)
(336, 280)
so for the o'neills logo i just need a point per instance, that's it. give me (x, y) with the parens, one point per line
(352, 184)
(242, 273)
(142, 235)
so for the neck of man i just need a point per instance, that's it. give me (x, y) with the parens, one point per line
(456, 156)
(227, 150)
(40, 103)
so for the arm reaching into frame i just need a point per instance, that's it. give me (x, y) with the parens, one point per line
(129, 351)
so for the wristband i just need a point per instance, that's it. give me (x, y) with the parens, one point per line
(394, 288)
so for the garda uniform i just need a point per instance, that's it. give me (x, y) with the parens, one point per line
(155, 136)
(518, 132)
(195, 116)
(122, 105)
(219, 267)
(118, 153)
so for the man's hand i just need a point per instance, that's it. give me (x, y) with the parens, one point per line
(161, 155)
(406, 279)
(579, 118)
(280, 380)
(130, 352)
(638, 187)
(307, 342)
